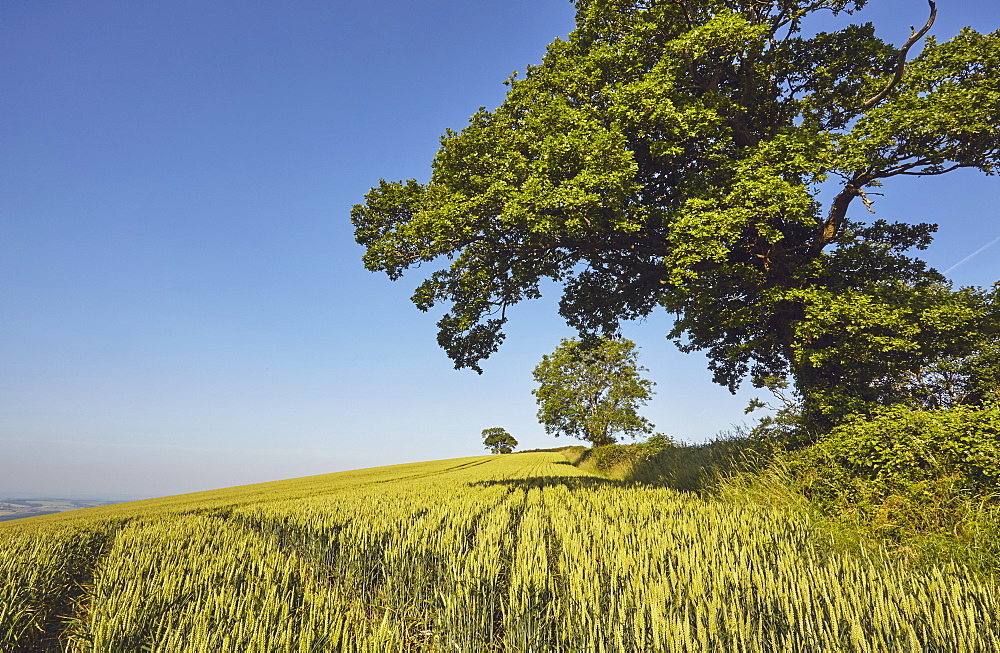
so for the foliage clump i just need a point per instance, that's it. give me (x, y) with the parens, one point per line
(899, 447)
(903, 471)
(622, 459)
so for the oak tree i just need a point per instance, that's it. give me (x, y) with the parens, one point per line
(714, 159)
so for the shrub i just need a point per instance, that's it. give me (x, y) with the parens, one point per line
(901, 447)
(623, 458)
(905, 473)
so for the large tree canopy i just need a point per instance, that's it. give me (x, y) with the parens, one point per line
(676, 154)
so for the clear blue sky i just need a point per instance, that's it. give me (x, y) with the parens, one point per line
(183, 305)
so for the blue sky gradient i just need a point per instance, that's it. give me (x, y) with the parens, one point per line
(184, 306)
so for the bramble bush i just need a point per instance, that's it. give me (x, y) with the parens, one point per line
(904, 472)
(900, 447)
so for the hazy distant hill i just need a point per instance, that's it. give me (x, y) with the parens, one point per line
(18, 508)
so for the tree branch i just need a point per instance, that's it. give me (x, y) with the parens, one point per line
(838, 211)
(868, 202)
(941, 172)
(901, 63)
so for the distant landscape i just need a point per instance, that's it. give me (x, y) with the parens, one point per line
(19, 508)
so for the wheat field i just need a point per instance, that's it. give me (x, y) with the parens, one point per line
(520, 552)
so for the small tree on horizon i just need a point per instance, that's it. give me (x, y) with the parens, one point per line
(592, 391)
(498, 440)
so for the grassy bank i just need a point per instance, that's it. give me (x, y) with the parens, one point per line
(881, 485)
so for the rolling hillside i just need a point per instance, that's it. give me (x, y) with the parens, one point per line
(521, 552)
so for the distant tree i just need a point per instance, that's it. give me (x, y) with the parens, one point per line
(498, 440)
(591, 390)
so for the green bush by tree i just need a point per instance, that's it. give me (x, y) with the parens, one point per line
(592, 390)
(905, 452)
(670, 155)
(498, 440)
(924, 482)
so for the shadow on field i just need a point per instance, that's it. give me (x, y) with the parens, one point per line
(572, 482)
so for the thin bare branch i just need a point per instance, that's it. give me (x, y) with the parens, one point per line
(937, 172)
(901, 63)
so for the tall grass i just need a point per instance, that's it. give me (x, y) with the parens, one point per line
(930, 522)
(522, 552)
